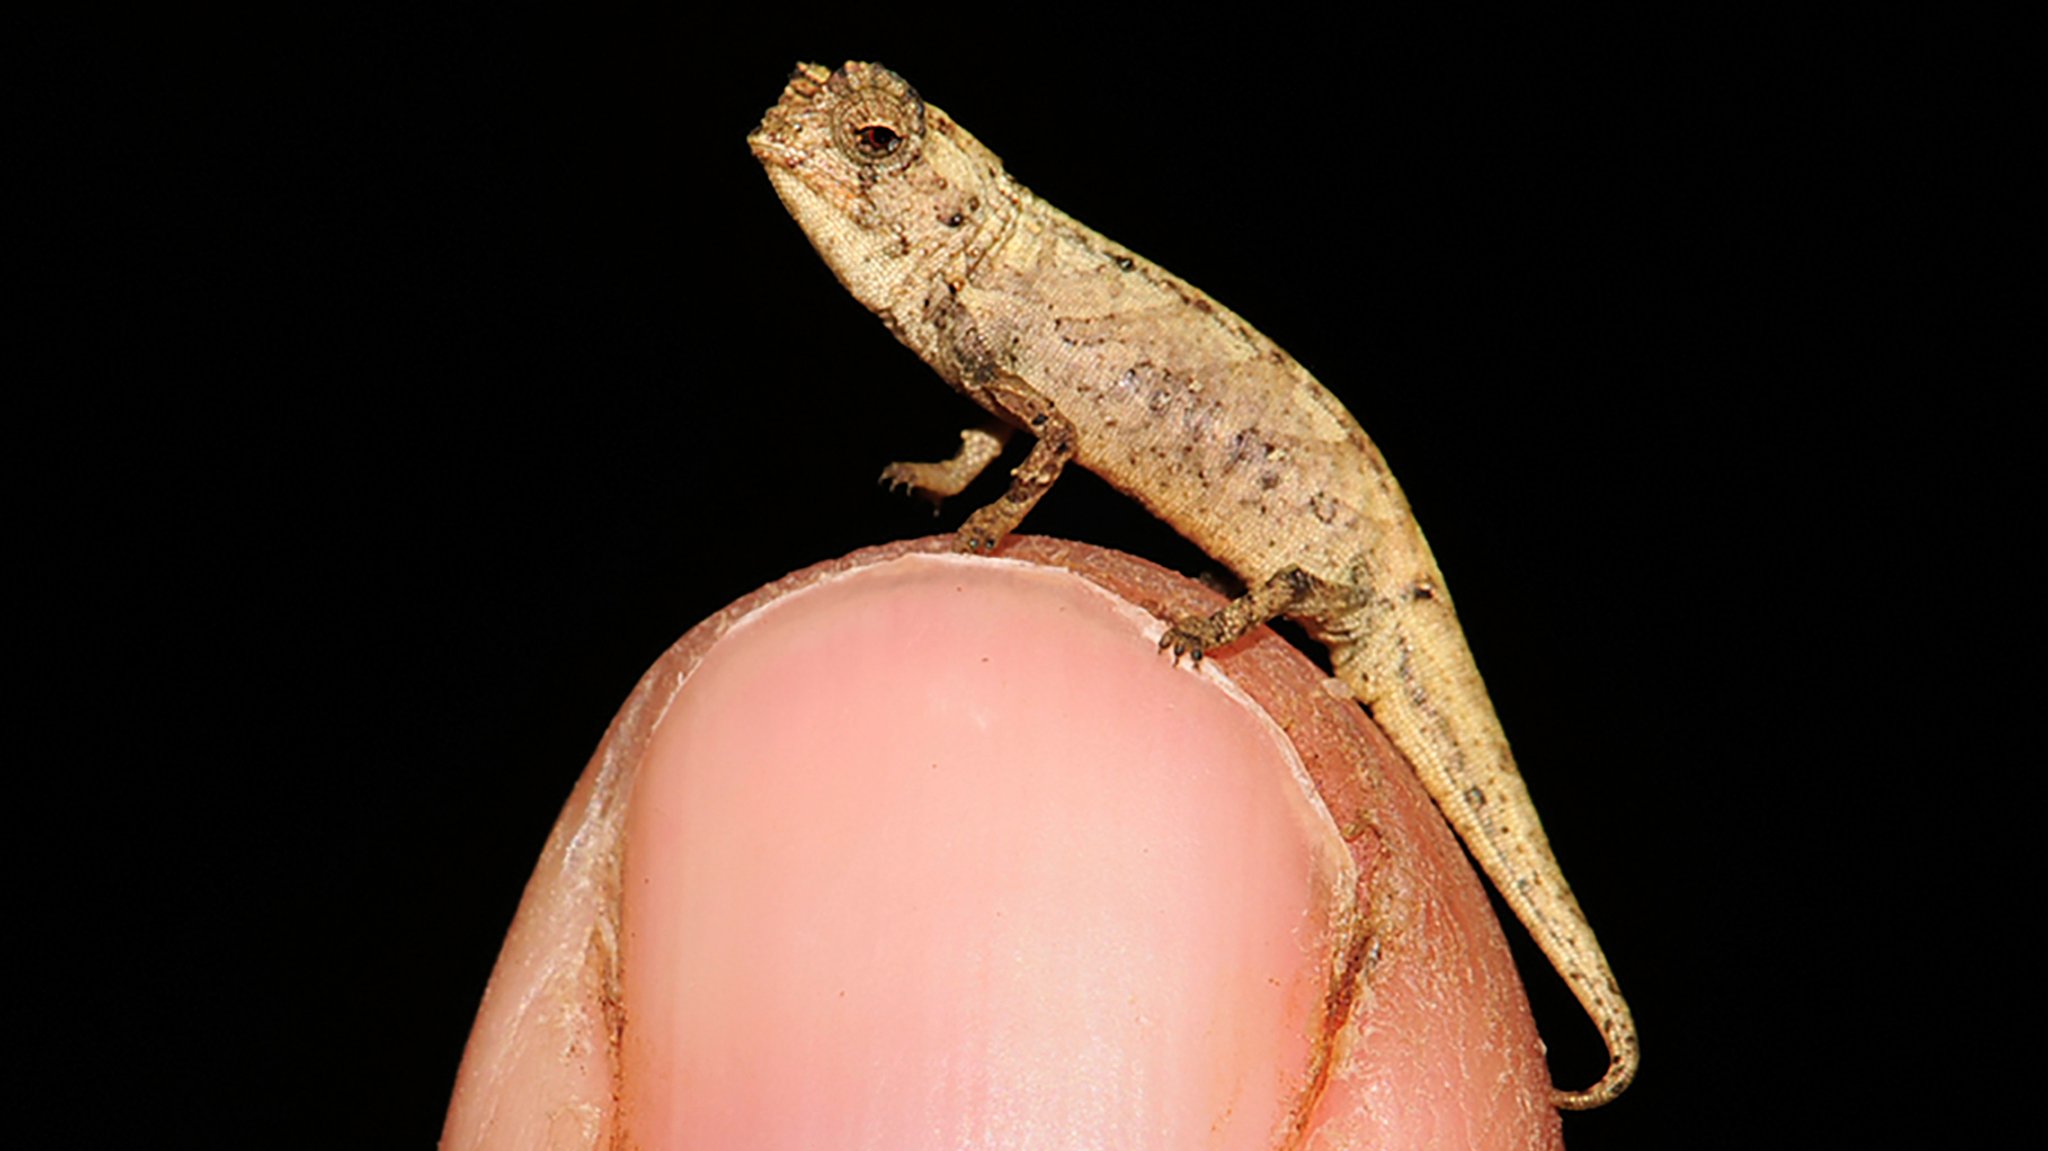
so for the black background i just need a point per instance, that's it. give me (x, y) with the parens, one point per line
(401, 388)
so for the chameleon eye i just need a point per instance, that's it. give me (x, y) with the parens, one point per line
(877, 140)
(880, 118)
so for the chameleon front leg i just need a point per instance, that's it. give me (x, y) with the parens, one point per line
(940, 479)
(1031, 479)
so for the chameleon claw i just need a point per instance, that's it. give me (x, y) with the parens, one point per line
(897, 479)
(1182, 644)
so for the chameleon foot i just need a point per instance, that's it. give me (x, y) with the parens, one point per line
(1193, 638)
(938, 479)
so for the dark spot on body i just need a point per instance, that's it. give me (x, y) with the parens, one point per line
(955, 220)
(1475, 797)
(1247, 447)
(1323, 508)
(1123, 262)
(1421, 590)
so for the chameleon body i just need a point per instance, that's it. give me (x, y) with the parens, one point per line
(1110, 361)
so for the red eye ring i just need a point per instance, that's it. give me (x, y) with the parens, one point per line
(878, 139)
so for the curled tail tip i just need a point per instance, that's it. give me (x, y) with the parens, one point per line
(1621, 1071)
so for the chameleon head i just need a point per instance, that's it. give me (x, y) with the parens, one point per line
(890, 191)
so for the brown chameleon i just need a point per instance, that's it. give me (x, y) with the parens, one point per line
(1113, 363)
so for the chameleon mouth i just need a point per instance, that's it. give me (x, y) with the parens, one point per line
(772, 153)
(771, 144)
(803, 201)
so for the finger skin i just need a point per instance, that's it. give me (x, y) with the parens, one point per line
(977, 913)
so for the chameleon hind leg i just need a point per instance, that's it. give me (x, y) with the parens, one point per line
(1483, 799)
(1290, 591)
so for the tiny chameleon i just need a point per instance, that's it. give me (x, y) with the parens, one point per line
(1109, 361)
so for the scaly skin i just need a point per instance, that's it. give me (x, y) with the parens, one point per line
(1110, 361)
